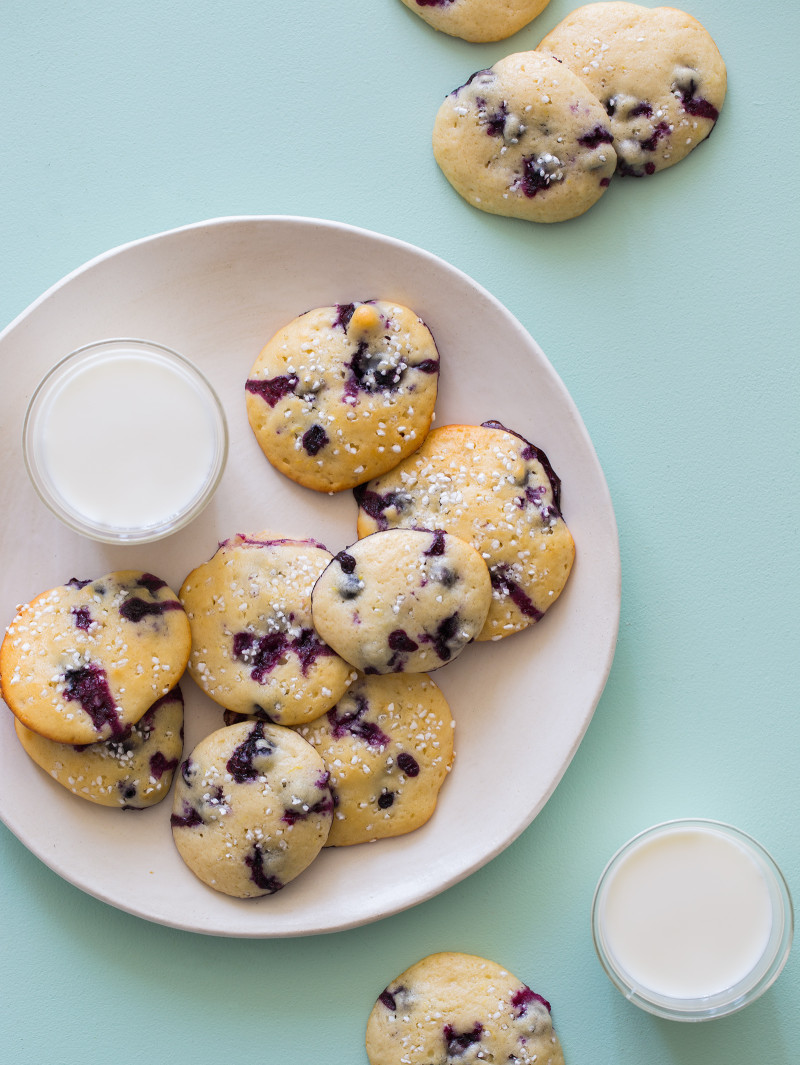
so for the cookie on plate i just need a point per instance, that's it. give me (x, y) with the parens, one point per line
(252, 808)
(491, 487)
(460, 1007)
(388, 746)
(526, 139)
(657, 72)
(477, 20)
(82, 662)
(254, 645)
(343, 393)
(133, 770)
(402, 600)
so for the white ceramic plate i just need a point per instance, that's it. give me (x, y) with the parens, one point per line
(216, 292)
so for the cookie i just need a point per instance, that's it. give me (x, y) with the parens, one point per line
(657, 72)
(526, 139)
(388, 746)
(402, 600)
(459, 1007)
(254, 645)
(491, 487)
(343, 393)
(252, 808)
(133, 770)
(477, 20)
(82, 662)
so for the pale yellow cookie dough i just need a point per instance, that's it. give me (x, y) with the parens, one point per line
(477, 20)
(343, 393)
(496, 490)
(657, 72)
(460, 1008)
(388, 746)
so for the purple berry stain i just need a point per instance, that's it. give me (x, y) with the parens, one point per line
(152, 583)
(596, 137)
(408, 764)
(241, 764)
(351, 723)
(263, 654)
(521, 999)
(188, 818)
(159, 765)
(503, 583)
(88, 686)
(135, 609)
(83, 619)
(272, 389)
(374, 504)
(437, 544)
(532, 453)
(344, 312)
(458, 1042)
(255, 863)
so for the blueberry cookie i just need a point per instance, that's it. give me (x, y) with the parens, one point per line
(657, 72)
(252, 808)
(254, 645)
(82, 662)
(388, 746)
(526, 139)
(343, 393)
(133, 770)
(402, 600)
(460, 1008)
(478, 20)
(496, 490)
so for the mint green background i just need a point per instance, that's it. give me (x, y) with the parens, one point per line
(670, 311)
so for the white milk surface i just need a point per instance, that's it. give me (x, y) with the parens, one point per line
(127, 441)
(687, 914)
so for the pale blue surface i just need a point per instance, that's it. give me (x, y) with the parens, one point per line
(670, 311)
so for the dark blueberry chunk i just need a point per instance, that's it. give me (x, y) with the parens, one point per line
(428, 366)
(538, 173)
(315, 439)
(372, 373)
(446, 576)
(344, 312)
(446, 631)
(521, 999)
(495, 121)
(134, 609)
(127, 790)
(640, 110)
(486, 76)
(536, 496)
(88, 686)
(347, 562)
(437, 546)
(255, 863)
(596, 137)
(188, 818)
(293, 814)
(503, 583)
(241, 764)
(159, 765)
(262, 655)
(385, 799)
(73, 582)
(399, 640)
(458, 1042)
(83, 619)
(660, 131)
(308, 647)
(388, 1000)
(272, 389)
(685, 88)
(151, 583)
(351, 723)
(374, 504)
(408, 764)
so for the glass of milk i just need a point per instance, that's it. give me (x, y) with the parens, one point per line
(692, 919)
(125, 441)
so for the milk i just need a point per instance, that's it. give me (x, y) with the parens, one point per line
(686, 913)
(128, 438)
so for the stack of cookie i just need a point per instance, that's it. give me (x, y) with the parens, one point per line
(615, 88)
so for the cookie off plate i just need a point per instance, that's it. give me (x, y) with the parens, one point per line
(216, 292)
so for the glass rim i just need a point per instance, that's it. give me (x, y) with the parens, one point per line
(129, 534)
(738, 995)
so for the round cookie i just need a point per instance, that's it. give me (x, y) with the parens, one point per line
(252, 808)
(459, 1007)
(133, 770)
(491, 487)
(526, 139)
(477, 20)
(82, 662)
(402, 600)
(657, 72)
(343, 393)
(254, 645)
(388, 746)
